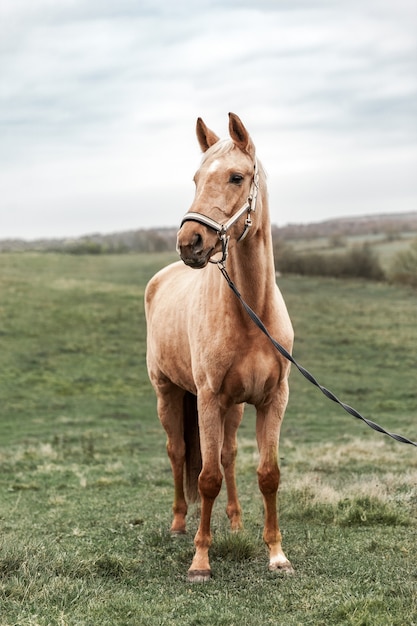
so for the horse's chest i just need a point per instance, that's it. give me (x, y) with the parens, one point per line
(251, 377)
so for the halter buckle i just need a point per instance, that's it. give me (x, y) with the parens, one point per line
(225, 249)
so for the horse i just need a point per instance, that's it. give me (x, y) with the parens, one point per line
(205, 356)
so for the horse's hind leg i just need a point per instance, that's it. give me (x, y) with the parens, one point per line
(170, 412)
(228, 458)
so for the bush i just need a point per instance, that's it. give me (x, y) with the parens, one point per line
(404, 266)
(84, 247)
(337, 241)
(357, 262)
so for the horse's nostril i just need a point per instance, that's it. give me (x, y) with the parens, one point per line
(197, 242)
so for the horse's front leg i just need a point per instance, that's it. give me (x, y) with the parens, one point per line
(268, 424)
(209, 482)
(228, 458)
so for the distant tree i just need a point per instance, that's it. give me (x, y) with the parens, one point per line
(357, 262)
(337, 241)
(404, 266)
(84, 247)
(156, 243)
(392, 233)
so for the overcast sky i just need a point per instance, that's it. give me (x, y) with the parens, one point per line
(99, 98)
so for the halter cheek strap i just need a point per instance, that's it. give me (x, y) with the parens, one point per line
(221, 229)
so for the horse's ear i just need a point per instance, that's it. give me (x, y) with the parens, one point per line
(206, 137)
(240, 135)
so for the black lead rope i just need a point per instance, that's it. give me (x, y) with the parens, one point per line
(305, 372)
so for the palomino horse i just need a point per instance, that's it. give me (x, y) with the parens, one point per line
(205, 356)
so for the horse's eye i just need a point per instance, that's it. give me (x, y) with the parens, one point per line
(236, 179)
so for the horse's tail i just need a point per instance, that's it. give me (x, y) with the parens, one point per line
(193, 461)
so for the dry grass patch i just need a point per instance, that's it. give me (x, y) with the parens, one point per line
(353, 483)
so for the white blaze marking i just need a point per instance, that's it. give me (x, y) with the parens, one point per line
(214, 166)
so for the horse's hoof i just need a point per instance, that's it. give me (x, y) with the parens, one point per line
(198, 575)
(284, 569)
(178, 533)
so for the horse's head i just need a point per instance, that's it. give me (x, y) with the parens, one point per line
(226, 190)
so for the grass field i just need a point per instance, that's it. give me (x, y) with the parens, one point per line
(86, 488)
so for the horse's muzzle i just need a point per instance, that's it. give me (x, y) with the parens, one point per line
(192, 248)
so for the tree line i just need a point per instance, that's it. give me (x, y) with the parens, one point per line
(348, 261)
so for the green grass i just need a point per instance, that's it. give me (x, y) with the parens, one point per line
(86, 488)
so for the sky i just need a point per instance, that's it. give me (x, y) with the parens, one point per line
(99, 99)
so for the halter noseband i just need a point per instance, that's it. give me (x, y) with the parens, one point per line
(221, 229)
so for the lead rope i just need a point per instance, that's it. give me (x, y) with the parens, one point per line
(305, 372)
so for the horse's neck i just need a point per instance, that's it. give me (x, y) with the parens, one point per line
(251, 267)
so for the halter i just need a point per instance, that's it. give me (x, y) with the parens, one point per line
(221, 229)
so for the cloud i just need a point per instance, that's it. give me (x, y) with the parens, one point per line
(99, 101)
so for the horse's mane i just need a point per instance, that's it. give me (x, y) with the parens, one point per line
(221, 147)
(224, 146)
